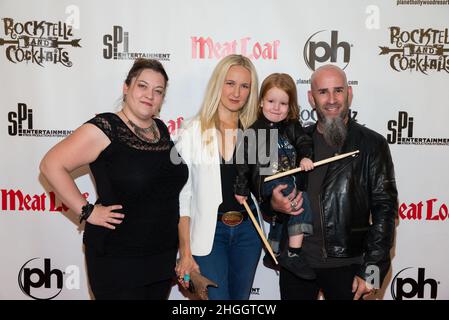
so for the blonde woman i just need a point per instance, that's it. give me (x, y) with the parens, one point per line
(216, 236)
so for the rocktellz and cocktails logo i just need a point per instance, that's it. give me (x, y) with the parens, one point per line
(38, 41)
(21, 124)
(419, 50)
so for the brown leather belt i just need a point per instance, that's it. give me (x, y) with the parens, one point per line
(232, 218)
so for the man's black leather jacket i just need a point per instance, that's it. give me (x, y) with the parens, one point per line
(358, 201)
(249, 177)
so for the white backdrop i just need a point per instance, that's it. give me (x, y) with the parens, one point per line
(64, 61)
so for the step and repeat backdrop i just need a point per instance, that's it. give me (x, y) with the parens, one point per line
(64, 61)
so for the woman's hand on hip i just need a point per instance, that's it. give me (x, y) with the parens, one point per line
(105, 217)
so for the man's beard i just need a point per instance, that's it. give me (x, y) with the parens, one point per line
(334, 130)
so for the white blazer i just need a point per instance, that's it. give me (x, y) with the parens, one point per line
(201, 195)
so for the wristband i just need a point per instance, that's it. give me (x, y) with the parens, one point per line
(86, 210)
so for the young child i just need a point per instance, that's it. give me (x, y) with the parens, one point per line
(279, 111)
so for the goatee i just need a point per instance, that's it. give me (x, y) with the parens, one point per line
(334, 130)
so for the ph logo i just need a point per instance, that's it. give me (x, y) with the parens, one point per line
(409, 287)
(17, 120)
(112, 42)
(318, 49)
(46, 283)
(404, 122)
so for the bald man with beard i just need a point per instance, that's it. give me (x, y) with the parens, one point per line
(354, 200)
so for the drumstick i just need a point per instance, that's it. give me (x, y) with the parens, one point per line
(316, 164)
(253, 219)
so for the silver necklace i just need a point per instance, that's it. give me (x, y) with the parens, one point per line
(142, 132)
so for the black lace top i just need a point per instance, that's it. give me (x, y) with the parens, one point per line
(141, 177)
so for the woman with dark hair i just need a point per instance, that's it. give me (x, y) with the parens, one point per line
(131, 236)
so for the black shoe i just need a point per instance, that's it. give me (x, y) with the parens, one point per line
(296, 264)
(269, 262)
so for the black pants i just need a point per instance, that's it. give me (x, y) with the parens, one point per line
(153, 291)
(335, 283)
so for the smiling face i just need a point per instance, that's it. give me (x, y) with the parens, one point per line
(145, 94)
(330, 95)
(275, 105)
(236, 89)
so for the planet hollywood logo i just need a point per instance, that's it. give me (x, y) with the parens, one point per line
(40, 281)
(22, 124)
(401, 132)
(420, 50)
(324, 47)
(38, 42)
(116, 47)
(421, 3)
(411, 285)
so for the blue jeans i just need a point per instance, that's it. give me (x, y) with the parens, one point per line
(233, 261)
(300, 224)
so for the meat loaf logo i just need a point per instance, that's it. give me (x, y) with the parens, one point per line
(429, 210)
(321, 49)
(173, 125)
(117, 47)
(38, 42)
(404, 124)
(21, 124)
(208, 48)
(17, 200)
(414, 286)
(38, 280)
(418, 50)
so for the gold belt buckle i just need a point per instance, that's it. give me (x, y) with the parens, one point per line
(232, 218)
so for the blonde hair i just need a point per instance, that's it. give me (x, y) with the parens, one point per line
(284, 82)
(208, 114)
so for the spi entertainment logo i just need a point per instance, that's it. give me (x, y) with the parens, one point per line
(21, 124)
(38, 280)
(401, 132)
(117, 47)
